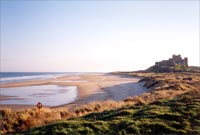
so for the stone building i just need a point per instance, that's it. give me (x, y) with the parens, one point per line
(172, 64)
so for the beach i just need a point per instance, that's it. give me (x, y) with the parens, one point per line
(90, 87)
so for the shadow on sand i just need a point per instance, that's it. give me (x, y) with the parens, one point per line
(116, 92)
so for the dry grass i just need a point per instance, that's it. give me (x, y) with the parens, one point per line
(21, 120)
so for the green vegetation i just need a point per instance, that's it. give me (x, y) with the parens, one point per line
(180, 115)
(179, 67)
(194, 69)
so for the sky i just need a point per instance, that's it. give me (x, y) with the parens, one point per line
(96, 36)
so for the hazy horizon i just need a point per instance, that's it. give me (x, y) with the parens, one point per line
(96, 36)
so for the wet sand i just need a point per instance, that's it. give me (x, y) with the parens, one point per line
(90, 88)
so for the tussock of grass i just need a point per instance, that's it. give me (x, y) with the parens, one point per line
(97, 107)
(14, 121)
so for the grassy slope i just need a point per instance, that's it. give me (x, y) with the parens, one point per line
(177, 116)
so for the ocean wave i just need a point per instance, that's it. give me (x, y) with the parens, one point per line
(26, 78)
(10, 77)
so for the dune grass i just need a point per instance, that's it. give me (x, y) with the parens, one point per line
(12, 121)
(180, 115)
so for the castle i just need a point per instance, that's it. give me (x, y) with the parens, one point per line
(176, 63)
(171, 62)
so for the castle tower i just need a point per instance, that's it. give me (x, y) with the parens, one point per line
(186, 61)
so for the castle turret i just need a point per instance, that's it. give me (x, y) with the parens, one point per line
(186, 61)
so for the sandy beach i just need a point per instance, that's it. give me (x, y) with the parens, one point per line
(91, 87)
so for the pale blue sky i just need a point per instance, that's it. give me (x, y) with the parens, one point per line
(78, 36)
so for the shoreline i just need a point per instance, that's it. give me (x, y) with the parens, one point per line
(90, 88)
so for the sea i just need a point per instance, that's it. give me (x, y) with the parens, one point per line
(49, 95)
(10, 77)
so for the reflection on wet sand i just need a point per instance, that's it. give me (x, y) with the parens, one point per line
(49, 95)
